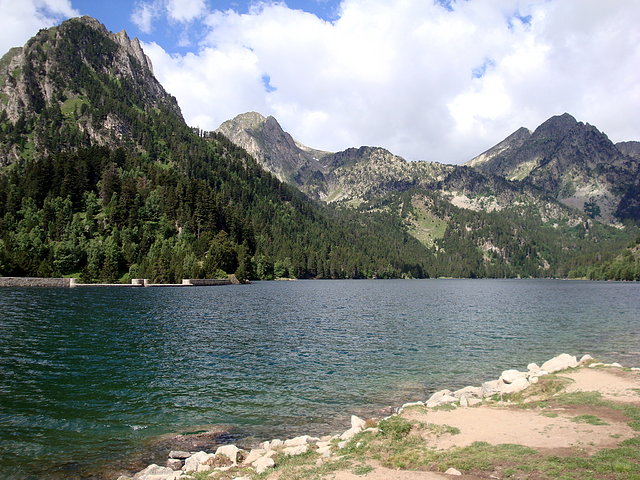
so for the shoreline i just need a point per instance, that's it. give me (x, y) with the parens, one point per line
(271, 457)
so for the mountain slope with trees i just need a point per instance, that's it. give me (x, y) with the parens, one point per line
(476, 223)
(103, 179)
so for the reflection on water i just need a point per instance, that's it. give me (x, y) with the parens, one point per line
(91, 374)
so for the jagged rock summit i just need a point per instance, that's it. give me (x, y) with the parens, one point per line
(273, 148)
(78, 84)
(574, 162)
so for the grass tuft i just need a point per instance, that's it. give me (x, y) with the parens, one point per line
(395, 427)
(590, 419)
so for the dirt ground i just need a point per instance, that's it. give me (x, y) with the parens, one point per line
(549, 430)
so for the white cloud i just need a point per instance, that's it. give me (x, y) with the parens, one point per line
(21, 19)
(401, 74)
(144, 14)
(185, 10)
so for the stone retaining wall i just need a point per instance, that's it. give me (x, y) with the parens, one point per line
(206, 282)
(35, 282)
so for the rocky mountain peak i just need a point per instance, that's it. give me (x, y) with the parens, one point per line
(572, 160)
(101, 83)
(558, 125)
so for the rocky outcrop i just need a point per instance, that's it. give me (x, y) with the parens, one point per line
(49, 90)
(275, 149)
(571, 160)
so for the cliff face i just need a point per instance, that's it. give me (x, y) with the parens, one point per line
(77, 85)
(275, 149)
(572, 161)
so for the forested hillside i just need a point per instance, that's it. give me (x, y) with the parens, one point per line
(110, 216)
(103, 179)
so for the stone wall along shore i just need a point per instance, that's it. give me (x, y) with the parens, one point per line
(35, 282)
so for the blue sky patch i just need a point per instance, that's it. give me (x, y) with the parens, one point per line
(479, 72)
(266, 82)
(446, 4)
(517, 17)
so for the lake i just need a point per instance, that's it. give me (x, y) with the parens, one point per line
(91, 376)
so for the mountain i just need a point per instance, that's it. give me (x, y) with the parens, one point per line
(575, 163)
(79, 85)
(479, 222)
(631, 148)
(102, 179)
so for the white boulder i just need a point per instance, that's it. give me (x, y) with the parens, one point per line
(510, 376)
(491, 387)
(191, 463)
(297, 450)
(585, 358)
(453, 471)
(469, 392)
(294, 442)
(275, 443)
(435, 399)
(229, 451)
(516, 386)
(156, 472)
(349, 434)
(357, 422)
(263, 464)
(560, 362)
(254, 454)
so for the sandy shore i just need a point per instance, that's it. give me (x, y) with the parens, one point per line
(580, 422)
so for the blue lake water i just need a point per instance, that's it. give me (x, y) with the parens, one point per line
(89, 376)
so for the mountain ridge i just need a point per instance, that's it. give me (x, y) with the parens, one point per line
(103, 180)
(574, 162)
(440, 204)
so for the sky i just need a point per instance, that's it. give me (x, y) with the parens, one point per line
(438, 80)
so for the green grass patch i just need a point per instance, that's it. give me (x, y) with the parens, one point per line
(303, 467)
(445, 407)
(71, 105)
(362, 469)
(549, 414)
(425, 227)
(395, 427)
(590, 419)
(439, 430)
(546, 387)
